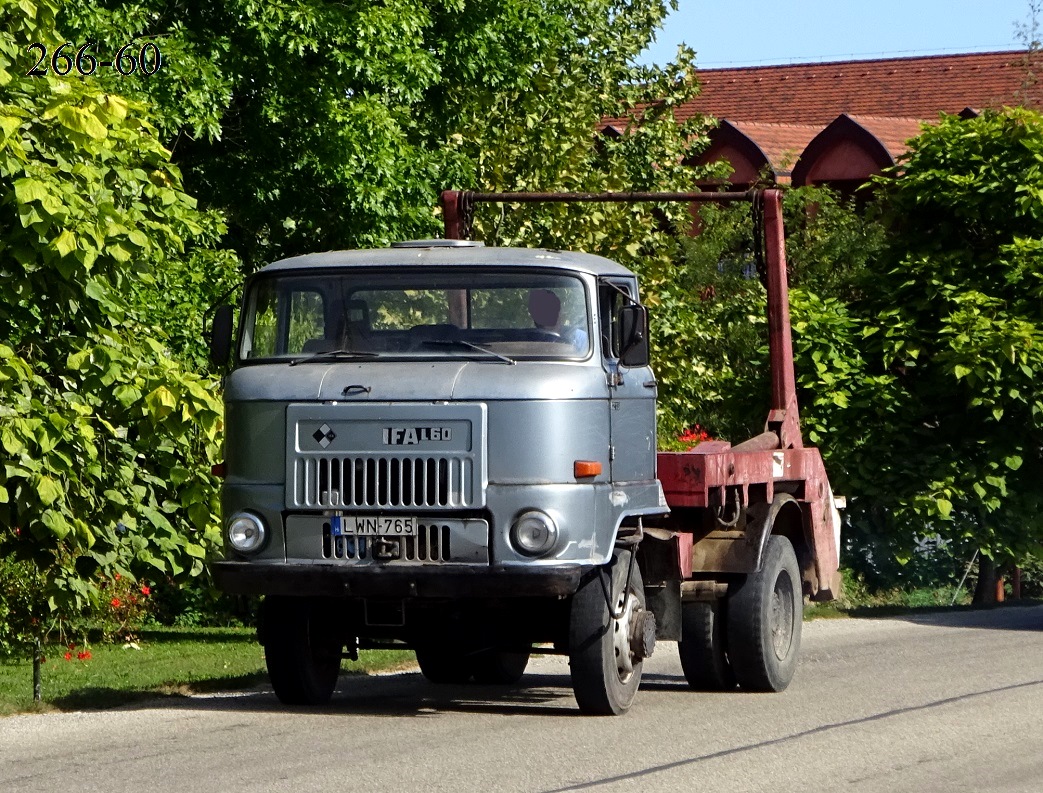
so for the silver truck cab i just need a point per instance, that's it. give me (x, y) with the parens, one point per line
(440, 444)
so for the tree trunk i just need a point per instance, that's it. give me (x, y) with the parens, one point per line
(985, 591)
(37, 671)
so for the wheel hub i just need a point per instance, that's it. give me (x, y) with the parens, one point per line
(781, 617)
(642, 634)
(622, 632)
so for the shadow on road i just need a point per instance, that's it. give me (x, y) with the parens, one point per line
(407, 695)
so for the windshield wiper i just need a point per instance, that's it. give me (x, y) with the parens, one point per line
(338, 354)
(470, 346)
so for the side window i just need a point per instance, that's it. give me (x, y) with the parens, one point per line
(260, 330)
(611, 297)
(282, 321)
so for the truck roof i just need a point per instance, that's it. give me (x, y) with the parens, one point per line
(439, 254)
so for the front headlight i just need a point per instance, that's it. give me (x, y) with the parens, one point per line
(246, 532)
(534, 533)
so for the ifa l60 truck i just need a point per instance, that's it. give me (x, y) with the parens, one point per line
(452, 448)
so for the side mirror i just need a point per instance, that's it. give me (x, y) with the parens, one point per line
(632, 333)
(221, 335)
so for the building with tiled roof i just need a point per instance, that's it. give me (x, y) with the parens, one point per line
(839, 123)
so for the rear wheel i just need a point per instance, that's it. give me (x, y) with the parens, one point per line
(301, 649)
(703, 646)
(606, 672)
(443, 665)
(765, 616)
(499, 667)
(456, 666)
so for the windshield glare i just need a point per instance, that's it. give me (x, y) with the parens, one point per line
(536, 314)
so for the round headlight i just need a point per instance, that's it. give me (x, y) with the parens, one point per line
(534, 533)
(246, 532)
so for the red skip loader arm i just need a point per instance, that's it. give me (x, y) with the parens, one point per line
(783, 418)
(715, 473)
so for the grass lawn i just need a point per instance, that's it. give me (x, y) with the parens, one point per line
(170, 662)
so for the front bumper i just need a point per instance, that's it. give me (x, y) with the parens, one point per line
(337, 580)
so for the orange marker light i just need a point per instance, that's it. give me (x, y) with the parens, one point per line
(583, 468)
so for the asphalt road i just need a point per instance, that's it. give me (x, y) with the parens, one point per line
(948, 702)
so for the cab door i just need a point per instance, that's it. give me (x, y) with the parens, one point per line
(631, 392)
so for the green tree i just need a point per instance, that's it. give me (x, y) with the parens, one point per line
(106, 438)
(711, 327)
(538, 137)
(930, 379)
(316, 125)
(960, 324)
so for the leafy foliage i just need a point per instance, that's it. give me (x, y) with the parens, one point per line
(917, 343)
(924, 385)
(588, 80)
(711, 325)
(957, 329)
(315, 125)
(106, 437)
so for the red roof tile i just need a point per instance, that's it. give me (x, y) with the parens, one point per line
(781, 143)
(853, 148)
(845, 119)
(816, 93)
(894, 133)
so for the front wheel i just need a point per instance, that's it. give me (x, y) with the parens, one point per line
(765, 615)
(301, 650)
(606, 670)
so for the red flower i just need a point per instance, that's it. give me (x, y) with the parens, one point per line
(84, 656)
(145, 590)
(72, 646)
(695, 435)
(116, 577)
(68, 656)
(115, 603)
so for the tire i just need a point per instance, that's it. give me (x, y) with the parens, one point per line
(498, 667)
(703, 647)
(605, 682)
(457, 667)
(765, 615)
(443, 666)
(301, 650)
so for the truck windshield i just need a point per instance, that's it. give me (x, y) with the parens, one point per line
(368, 313)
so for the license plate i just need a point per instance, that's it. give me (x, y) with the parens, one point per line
(373, 526)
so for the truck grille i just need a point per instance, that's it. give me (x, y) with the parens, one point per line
(430, 545)
(371, 482)
(385, 456)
